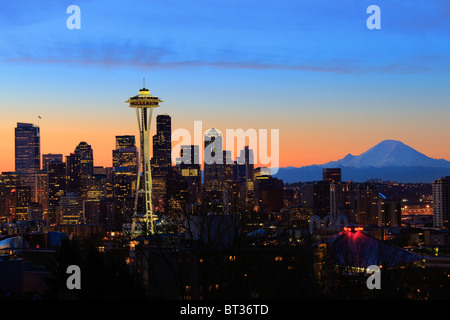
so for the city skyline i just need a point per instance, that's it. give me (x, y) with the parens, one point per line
(334, 81)
(301, 151)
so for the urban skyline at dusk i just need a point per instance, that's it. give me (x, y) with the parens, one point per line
(238, 154)
(386, 84)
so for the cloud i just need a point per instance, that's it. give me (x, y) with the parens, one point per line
(143, 56)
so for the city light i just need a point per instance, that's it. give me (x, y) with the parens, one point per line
(299, 155)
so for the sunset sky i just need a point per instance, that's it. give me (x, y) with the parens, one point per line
(311, 69)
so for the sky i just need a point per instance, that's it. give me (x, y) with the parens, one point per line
(311, 69)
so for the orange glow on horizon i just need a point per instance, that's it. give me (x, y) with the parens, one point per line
(299, 146)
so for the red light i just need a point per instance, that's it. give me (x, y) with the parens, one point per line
(349, 229)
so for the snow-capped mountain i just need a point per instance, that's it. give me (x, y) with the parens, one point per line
(389, 153)
(389, 160)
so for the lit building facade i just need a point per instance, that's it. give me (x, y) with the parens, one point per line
(189, 167)
(441, 202)
(162, 141)
(390, 214)
(71, 209)
(342, 200)
(331, 175)
(22, 201)
(85, 156)
(367, 204)
(27, 153)
(50, 157)
(213, 161)
(56, 188)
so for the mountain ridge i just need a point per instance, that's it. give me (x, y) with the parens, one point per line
(388, 160)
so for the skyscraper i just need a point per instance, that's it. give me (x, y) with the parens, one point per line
(49, 157)
(126, 154)
(10, 181)
(213, 161)
(162, 158)
(162, 141)
(4, 192)
(86, 157)
(331, 175)
(367, 204)
(342, 200)
(244, 172)
(124, 176)
(228, 167)
(269, 193)
(441, 202)
(22, 201)
(125, 141)
(73, 176)
(189, 167)
(56, 188)
(27, 153)
(71, 209)
(390, 213)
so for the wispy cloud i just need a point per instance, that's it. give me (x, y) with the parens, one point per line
(319, 36)
(143, 56)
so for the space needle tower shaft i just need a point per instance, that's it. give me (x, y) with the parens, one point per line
(144, 103)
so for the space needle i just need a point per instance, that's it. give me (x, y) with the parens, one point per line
(144, 103)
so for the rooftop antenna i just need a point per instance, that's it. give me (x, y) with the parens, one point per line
(143, 80)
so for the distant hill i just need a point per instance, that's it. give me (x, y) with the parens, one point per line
(389, 160)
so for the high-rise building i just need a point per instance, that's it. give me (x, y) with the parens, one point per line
(316, 196)
(27, 153)
(245, 171)
(85, 157)
(367, 204)
(213, 161)
(441, 202)
(331, 175)
(50, 157)
(9, 181)
(95, 188)
(3, 203)
(56, 188)
(343, 200)
(269, 193)
(126, 154)
(125, 141)
(390, 214)
(73, 175)
(177, 192)
(35, 212)
(124, 176)
(23, 200)
(262, 171)
(189, 167)
(162, 141)
(162, 158)
(41, 191)
(71, 209)
(228, 167)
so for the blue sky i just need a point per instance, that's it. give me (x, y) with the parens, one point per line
(277, 64)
